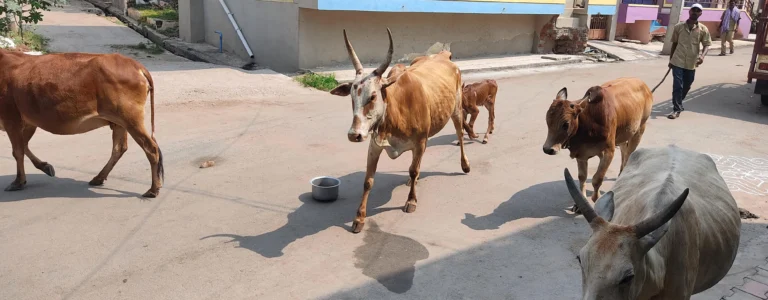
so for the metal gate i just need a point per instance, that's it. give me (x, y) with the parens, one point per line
(598, 27)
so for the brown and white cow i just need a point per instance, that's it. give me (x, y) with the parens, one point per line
(400, 112)
(668, 229)
(610, 115)
(478, 94)
(74, 93)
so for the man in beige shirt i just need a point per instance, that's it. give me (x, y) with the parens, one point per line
(687, 37)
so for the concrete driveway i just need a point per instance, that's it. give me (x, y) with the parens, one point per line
(247, 228)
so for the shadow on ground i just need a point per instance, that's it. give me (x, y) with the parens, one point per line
(543, 200)
(536, 263)
(313, 217)
(725, 100)
(41, 187)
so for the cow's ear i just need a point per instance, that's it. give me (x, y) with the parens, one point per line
(342, 90)
(385, 82)
(604, 206)
(594, 94)
(647, 242)
(562, 94)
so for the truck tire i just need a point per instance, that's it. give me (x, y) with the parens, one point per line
(764, 99)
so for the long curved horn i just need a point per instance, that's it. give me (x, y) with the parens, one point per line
(383, 67)
(654, 222)
(353, 55)
(578, 198)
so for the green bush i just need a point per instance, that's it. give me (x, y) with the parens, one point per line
(323, 82)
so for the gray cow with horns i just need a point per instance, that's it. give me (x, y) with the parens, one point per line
(647, 241)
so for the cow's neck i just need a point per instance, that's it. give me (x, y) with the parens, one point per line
(653, 270)
(393, 122)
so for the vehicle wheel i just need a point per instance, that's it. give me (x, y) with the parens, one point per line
(764, 99)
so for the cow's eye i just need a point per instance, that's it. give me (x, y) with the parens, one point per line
(627, 279)
(578, 258)
(565, 126)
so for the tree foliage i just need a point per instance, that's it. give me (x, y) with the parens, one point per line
(23, 12)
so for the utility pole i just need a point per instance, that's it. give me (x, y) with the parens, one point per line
(614, 20)
(674, 18)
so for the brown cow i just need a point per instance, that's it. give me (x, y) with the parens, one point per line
(610, 115)
(401, 112)
(74, 93)
(478, 94)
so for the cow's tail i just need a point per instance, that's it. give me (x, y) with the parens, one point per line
(151, 98)
(160, 168)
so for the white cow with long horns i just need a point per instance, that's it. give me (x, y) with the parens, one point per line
(647, 241)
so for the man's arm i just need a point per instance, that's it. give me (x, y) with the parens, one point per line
(674, 41)
(706, 40)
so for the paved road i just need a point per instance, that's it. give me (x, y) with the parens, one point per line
(247, 228)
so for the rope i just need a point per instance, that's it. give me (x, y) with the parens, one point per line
(662, 81)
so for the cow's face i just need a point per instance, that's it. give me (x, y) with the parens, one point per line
(562, 122)
(368, 94)
(607, 263)
(613, 261)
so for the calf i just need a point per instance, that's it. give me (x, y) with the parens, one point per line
(610, 115)
(648, 241)
(400, 112)
(478, 94)
(74, 93)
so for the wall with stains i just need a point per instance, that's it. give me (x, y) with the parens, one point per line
(270, 28)
(414, 34)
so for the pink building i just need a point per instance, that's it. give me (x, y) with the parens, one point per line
(641, 19)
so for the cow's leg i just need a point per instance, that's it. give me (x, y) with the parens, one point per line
(491, 117)
(154, 155)
(119, 146)
(624, 156)
(597, 180)
(47, 168)
(374, 152)
(635, 141)
(16, 135)
(457, 123)
(471, 131)
(414, 171)
(582, 166)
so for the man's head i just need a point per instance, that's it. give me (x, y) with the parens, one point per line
(731, 4)
(695, 12)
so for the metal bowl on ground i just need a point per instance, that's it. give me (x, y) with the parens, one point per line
(325, 188)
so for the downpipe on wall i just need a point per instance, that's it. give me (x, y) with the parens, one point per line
(237, 28)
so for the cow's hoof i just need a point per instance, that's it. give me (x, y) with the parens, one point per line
(150, 194)
(96, 182)
(48, 170)
(15, 186)
(465, 168)
(575, 209)
(410, 207)
(485, 141)
(357, 226)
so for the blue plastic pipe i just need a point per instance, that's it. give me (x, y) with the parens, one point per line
(221, 41)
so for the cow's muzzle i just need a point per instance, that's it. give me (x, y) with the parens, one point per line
(355, 137)
(550, 151)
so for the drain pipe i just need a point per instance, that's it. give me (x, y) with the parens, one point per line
(237, 28)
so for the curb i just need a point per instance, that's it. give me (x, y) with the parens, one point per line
(571, 61)
(175, 47)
